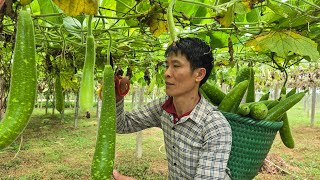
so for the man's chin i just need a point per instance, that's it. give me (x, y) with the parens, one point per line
(168, 93)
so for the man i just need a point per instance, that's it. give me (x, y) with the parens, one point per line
(197, 136)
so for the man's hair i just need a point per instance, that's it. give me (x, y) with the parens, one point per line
(197, 52)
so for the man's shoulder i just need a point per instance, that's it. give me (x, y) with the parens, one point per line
(213, 115)
(207, 106)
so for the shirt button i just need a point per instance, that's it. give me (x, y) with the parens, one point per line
(173, 147)
(173, 128)
(175, 164)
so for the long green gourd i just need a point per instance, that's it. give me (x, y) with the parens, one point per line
(103, 159)
(242, 74)
(285, 130)
(214, 93)
(232, 100)
(22, 93)
(59, 98)
(86, 97)
(170, 20)
(265, 96)
(251, 89)
(276, 112)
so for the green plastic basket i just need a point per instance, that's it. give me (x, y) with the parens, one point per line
(251, 142)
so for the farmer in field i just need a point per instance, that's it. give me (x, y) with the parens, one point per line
(197, 136)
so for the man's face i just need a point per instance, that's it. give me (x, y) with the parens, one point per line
(179, 78)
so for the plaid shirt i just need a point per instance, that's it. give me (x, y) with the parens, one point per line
(197, 146)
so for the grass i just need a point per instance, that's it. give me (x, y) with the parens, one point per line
(54, 150)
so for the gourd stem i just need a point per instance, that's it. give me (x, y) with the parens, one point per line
(109, 48)
(89, 26)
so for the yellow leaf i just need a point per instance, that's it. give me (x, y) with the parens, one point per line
(25, 2)
(78, 7)
(157, 24)
(156, 20)
(227, 18)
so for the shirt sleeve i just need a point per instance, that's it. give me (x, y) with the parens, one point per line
(145, 117)
(216, 150)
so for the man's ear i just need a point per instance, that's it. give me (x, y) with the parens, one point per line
(200, 74)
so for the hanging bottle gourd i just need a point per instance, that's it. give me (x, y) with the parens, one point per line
(103, 159)
(23, 84)
(86, 97)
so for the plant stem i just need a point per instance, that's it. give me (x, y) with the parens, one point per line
(124, 17)
(220, 7)
(109, 48)
(89, 25)
(46, 15)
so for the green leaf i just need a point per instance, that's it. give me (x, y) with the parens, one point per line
(137, 76)
(269, 16)
(125, 8)
(253, 16)
(219, 39)
(72, 25)
(241, 8)
(48, 7)
(201, 12)
(282, 43)
(186, 8)
(297, 20)
(279, 9)
(108, 4)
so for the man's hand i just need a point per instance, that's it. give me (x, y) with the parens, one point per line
(118, 176)
(122, 88)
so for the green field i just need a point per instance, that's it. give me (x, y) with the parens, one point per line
(54, 150)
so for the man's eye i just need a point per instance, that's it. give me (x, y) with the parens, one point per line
(176, 65)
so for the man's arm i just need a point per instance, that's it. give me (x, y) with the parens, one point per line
(145, 117)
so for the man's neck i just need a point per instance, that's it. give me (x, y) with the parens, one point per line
(186, 102)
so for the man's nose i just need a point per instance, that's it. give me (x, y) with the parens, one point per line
(167, 73)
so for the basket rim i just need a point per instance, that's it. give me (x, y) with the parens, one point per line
(249, 121)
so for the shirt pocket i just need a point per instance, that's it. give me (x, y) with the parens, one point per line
(189, 154)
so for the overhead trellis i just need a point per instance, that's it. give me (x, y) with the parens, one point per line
(139, 28)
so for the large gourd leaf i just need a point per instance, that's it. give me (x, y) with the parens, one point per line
(284, 42)
(78, 7)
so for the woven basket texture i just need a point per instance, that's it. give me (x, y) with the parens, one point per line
(251, 142)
